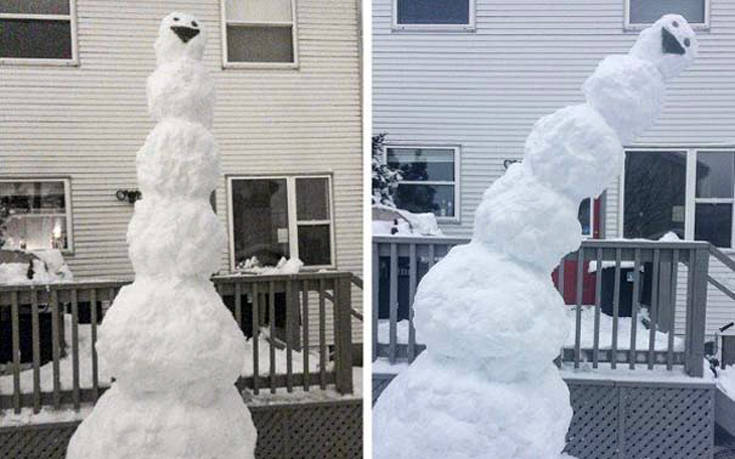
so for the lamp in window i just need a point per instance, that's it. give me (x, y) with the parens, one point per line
(56, 234)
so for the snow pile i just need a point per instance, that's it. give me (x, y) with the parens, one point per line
(488, 312)
(45, 267)
(169, 342)
(726, 381)
(284, 266)
(389, 221)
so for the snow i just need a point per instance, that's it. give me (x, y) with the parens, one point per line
(284, 266)
(48, 267)
(488, 311)
(8, 418)
(390, 221)
(172, 346)
(726, 381)
(641, 373)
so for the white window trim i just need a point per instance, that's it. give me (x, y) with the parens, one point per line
(71, 17)
(260, 65)
(690, 199)
(636, 27)
(469, 27)
(457, 179)
(293, 222)
(591, 234)
(67, 201)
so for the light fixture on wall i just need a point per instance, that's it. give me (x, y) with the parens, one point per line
(128, 195)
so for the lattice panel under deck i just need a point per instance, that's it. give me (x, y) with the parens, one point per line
(594, 428)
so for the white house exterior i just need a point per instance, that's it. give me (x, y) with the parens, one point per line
(287, 120)
(468, 91)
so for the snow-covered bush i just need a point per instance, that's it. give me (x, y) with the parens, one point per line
(385, 179)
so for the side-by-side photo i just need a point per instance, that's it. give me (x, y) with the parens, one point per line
(552, 216)
(181, 227)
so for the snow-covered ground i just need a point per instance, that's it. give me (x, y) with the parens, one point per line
(726, 381)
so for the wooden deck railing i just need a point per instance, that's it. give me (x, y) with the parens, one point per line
(400, 262)
(287, 309)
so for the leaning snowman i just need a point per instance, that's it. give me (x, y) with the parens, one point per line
(488, 312)
(172, 346)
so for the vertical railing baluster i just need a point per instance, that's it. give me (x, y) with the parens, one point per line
(93, 329)
(56, 348)
(635, 305)
(36, 338)
(672, 311)
(305, 332)
(238, 304)
(695, 351)
(412, 281)
(255, 332)
(598, 299)
(691, 262)
(289, 335)
(653, 312)
(75, 348)
(393, 304)
(376, 298)
(578, 310)
(616, 311)
(432, 255)
(272, 320)
(15, 326)
(322, 337)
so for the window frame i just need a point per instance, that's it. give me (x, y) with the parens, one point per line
(457, 177)
(690, 199)
(71, 17)
(293, 222)
(66, 180)
(591, 234)
(226, 64)
(471, 25)
(637, 27)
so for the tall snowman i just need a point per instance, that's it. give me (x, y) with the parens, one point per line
(488, 312)
(173, 348)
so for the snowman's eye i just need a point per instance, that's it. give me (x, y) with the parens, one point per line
(176, 19)
(687, 42)
(194, 23)
(675, 24)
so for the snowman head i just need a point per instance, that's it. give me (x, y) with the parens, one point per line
(180, 35)
(670, 44)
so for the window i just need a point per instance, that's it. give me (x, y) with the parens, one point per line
(641, 13)
(430, 180)
(40, 31)
(275, 217)
(259, 33)
(36, 214)
(688, 192)
(586, 215)
(442, 15)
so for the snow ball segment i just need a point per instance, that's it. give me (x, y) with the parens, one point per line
(171, 345)
(488, 312)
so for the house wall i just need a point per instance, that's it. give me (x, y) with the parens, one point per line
(88, 121)
(484, 90)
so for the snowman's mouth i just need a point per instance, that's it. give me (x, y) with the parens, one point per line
(185, 33)
(670, 44)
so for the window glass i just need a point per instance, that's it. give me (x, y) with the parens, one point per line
(260, 220)
(315, 245)
(585, 217)
(654, 201)
(433, 11)
(34, 214)
(423, 164)
(713, 223)
(259, 31)
(34, 6)
(715, 174)
(649, 11)
(438, 199)
(40, 39)
(312, 199)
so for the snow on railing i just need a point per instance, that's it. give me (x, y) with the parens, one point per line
(625, 312)
(47, 355)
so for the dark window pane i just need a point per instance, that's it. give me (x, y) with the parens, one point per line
(260, 220)
(713, 223)
(433, 11)
(584, 217)
(259, 44)
(715, 174)
(35, 39)
(315, 245)
(312, 199)
(654, 194)
(424, 164)
(649, 11)
(438, 199)
(34, 6)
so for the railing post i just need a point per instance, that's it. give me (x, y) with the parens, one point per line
(343, 334)
(698, 310)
